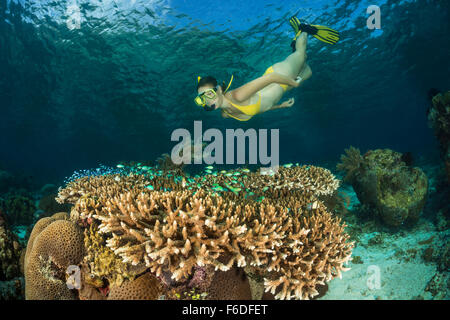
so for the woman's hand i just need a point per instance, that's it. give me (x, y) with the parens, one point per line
(288, 103)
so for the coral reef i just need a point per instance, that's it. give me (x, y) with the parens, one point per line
(439, 119)
(18, 208)
(54, 245)
(384, 182)
(10, 251)
(49, 205)
(12, 289)
(179, 228)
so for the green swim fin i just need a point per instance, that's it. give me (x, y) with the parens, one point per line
(321, 33)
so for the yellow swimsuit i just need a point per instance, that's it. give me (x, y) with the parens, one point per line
(252, 109)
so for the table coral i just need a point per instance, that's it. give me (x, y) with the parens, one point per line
(282, 229)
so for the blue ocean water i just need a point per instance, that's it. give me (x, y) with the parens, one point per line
(116, 86)
(85, 83)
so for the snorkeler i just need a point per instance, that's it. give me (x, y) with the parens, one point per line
(263, 93)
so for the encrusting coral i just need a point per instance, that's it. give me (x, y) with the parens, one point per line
(173, 226)
(383, 181)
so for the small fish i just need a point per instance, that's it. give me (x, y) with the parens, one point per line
(223, 171)
(229, 174)
(312, 205)
(288, 165)
(246, 170)
(265, 188)
(150, 187)
(237, 173)
(120, 166)
(209, 167)
(208, 171)
(145, 168)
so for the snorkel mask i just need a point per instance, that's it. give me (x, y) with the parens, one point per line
(209, 94)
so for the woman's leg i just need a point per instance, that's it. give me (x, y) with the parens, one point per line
(293, 66)
(295, 62)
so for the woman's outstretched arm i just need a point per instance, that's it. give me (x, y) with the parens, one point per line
(247, 90)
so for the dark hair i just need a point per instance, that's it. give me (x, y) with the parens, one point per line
(208, 80)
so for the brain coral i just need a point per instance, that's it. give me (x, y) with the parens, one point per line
(274, 223)
(381, 180)
(144, 287)
(53, 246)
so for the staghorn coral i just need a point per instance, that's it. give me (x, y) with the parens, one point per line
(53, 246)
(292, 241)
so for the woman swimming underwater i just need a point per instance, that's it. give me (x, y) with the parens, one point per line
(263, 94)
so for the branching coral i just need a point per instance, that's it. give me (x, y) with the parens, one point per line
(291, 240)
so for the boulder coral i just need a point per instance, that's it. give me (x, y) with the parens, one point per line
(200, 233)
(54, 245)
(385, 183)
